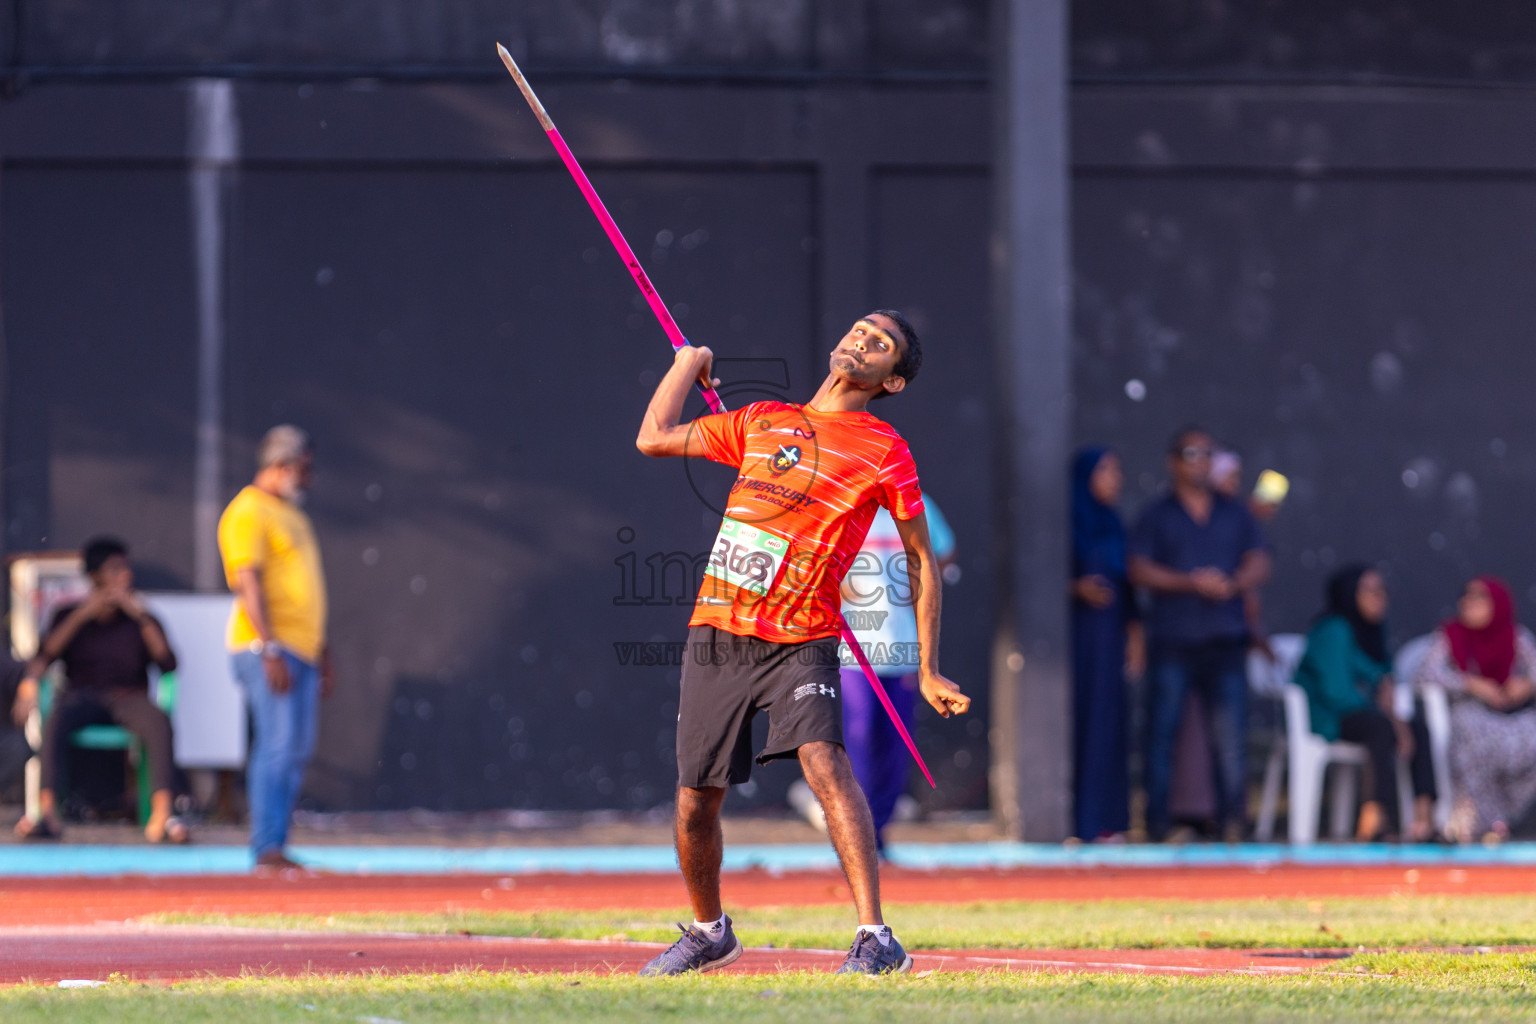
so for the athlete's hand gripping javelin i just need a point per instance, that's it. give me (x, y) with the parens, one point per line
(660, 432)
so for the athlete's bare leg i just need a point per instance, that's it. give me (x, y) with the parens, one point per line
(700, 847)
(849, 823)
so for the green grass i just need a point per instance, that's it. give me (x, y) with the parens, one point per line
(1391, 922)
(1393, 987)
(1366, 987)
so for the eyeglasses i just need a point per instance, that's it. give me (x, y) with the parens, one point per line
(1194, 453)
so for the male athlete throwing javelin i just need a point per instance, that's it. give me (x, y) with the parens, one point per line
(764, 632)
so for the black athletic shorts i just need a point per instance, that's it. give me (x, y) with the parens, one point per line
(728, 679)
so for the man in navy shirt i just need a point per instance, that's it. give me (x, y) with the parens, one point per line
(1198, 553)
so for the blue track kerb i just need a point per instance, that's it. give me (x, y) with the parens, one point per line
(106, 861)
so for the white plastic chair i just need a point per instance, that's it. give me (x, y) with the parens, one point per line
(1269, 678)
(1300, 753)
(1437, 719)
(1309, 757)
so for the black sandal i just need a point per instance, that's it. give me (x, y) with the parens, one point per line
(42, 829)
(174, 833)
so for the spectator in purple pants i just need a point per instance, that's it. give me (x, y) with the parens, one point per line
(877, 602)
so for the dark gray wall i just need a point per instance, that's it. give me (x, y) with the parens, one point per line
(830, 37)
(1330, 278)
(99, 313)
(1474, 41)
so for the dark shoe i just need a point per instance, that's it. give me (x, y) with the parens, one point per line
(276, 859)
(868, 956)
(174, 831)
(38, 828)
(695, 951)
(275, 862)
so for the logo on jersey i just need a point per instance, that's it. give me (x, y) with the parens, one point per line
(815, 690)
(784, 460)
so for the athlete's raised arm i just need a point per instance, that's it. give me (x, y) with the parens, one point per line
(926, 584)
(660, 433)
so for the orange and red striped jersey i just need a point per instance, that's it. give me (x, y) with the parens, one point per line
(808, 488)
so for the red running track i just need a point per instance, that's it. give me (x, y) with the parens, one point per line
(149, 953)
(63, 901)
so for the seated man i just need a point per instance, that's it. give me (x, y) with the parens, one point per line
(107, 643)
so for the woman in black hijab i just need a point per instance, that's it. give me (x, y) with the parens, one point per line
(1358, 595)
(1347, 673)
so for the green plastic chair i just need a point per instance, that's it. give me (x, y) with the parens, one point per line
(115, 737)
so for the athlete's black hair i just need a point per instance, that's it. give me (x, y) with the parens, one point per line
(98, 549)
(911, 357)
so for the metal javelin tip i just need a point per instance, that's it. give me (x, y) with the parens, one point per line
(527, 90)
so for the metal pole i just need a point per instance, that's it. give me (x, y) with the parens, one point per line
(1031, 275)
(214, 151)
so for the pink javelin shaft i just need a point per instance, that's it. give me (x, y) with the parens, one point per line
(675, 335)
(631, 262)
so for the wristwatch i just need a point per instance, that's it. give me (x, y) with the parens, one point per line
(265, 648)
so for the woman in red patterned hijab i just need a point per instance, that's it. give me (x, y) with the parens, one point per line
(1482, 636)
(1486, 663)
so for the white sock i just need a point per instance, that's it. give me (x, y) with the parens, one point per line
(714, 929)
(879, 931)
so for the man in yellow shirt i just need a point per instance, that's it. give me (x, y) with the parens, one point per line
(277, 632)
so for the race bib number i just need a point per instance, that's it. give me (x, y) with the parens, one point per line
(747, 557)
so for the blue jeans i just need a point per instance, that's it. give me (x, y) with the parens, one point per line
(1217, 670)
(284, 726)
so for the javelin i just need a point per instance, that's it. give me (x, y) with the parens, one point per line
(678, 341)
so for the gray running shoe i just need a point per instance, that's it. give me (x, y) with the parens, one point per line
(695, 952)
(868, 956)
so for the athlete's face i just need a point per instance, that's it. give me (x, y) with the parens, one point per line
(869, 352)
